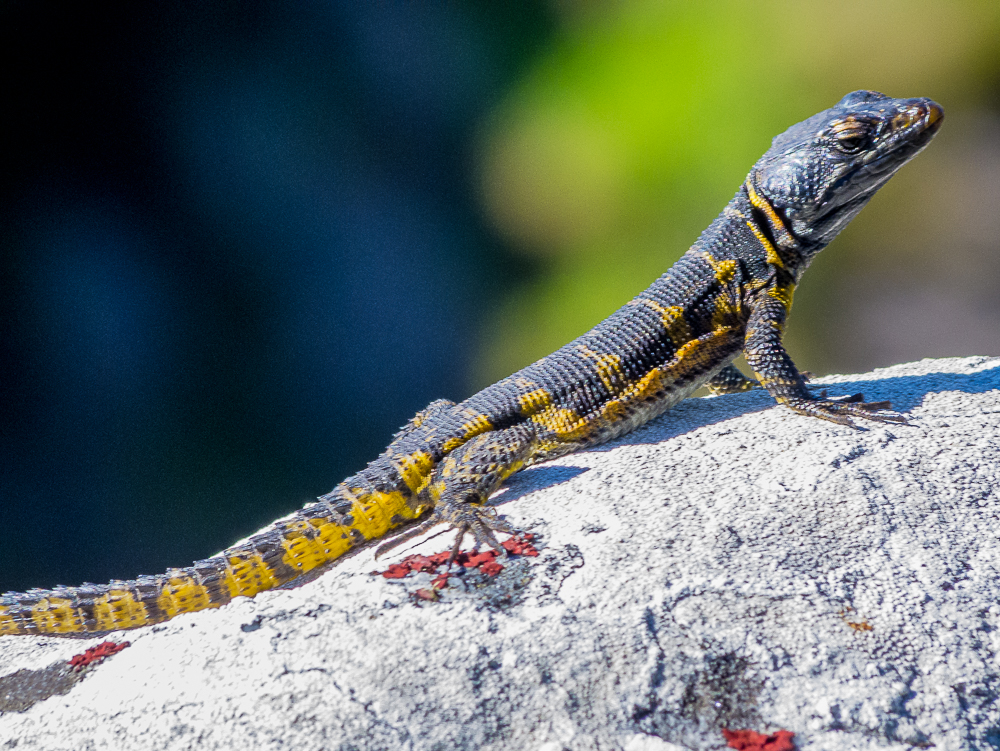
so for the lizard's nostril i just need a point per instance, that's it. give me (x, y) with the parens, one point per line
(935, 113)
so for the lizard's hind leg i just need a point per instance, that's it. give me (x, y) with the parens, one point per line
(466, 478)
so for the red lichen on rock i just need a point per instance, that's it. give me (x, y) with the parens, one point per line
(748, 740)
(485, 561)
(96, 654)
(411, 563)
(521, 545)
(395, 571)
(491, 568)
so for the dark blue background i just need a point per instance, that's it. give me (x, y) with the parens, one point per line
(240, 247)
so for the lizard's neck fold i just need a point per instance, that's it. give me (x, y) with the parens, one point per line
(783, 247)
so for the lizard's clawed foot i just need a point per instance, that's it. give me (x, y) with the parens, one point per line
(476, 520)
(467, 518)
(841, 409)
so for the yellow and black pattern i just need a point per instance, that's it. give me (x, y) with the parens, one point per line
(311, 537)
(730, 292)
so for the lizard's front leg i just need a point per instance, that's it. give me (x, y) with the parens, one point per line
(777, 373)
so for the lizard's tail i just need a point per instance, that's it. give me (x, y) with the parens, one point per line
(312, 536)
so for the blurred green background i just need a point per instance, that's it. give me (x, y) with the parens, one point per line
(631, 131)
(241, 243)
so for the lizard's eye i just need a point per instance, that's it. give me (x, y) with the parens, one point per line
(851, 142)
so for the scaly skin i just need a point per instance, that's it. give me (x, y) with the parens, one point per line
(730, 292)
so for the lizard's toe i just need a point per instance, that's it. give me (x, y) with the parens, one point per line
(479, 521)
(406, 535)
(841, 410)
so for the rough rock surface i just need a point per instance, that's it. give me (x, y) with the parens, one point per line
(730, 565)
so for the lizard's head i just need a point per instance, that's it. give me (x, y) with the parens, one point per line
(820, 173)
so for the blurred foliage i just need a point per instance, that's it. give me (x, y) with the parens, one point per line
(239, 247)
(639, 123)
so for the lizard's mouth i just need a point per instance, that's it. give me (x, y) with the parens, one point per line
(910, 131)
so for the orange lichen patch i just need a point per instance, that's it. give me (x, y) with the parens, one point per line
(414, 563)
(859, 626)
(56, 615)
(748, 740)
(415, 469)
(182, 593)
(247, 574)
(521, 545)
(119, 608)
(440, 581)
(96, 654)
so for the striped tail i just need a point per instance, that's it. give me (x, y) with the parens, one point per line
(317, 534)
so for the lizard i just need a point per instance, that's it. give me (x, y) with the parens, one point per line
(729, 293)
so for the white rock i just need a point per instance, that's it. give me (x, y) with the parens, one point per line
(730, 565)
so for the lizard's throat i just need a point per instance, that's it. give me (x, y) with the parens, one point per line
(793, 253)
